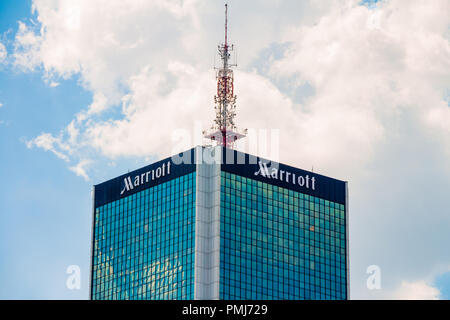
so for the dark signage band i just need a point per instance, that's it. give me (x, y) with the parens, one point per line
(283, 176)
(143, 178)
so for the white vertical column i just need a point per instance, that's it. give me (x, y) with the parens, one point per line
(207, 223)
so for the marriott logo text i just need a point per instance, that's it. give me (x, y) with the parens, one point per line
(289, 177)
(130, 184)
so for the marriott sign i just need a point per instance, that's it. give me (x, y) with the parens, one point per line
(286, 176)
(145, 177)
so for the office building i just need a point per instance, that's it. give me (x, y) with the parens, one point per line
(215, 223)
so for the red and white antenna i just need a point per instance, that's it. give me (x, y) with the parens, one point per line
(224, 131)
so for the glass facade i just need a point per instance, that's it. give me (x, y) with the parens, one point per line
(225, 230)
(143, 244)
(276, 243)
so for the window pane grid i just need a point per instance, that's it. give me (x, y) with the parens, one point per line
(144, 244)
(279, 244)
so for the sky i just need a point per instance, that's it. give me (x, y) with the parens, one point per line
(357, 90)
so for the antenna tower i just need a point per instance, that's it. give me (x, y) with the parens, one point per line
(224, 131)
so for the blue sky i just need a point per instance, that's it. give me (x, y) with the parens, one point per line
(43, 228)
(103, 89)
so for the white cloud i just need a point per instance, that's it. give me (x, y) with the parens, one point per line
(3, 52)
(371, 66)
(50, 143)
(27, 45)
(151, 117)
(80, 169)
(418, 290)
(106, 41)
(98, 105)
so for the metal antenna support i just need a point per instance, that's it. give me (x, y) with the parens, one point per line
(224, 131)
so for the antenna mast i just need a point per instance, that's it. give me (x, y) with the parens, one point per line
(224, 131)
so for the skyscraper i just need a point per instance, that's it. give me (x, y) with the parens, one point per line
(214, 223)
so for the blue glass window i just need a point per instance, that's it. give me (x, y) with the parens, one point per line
(276, 243)
(144, 244)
